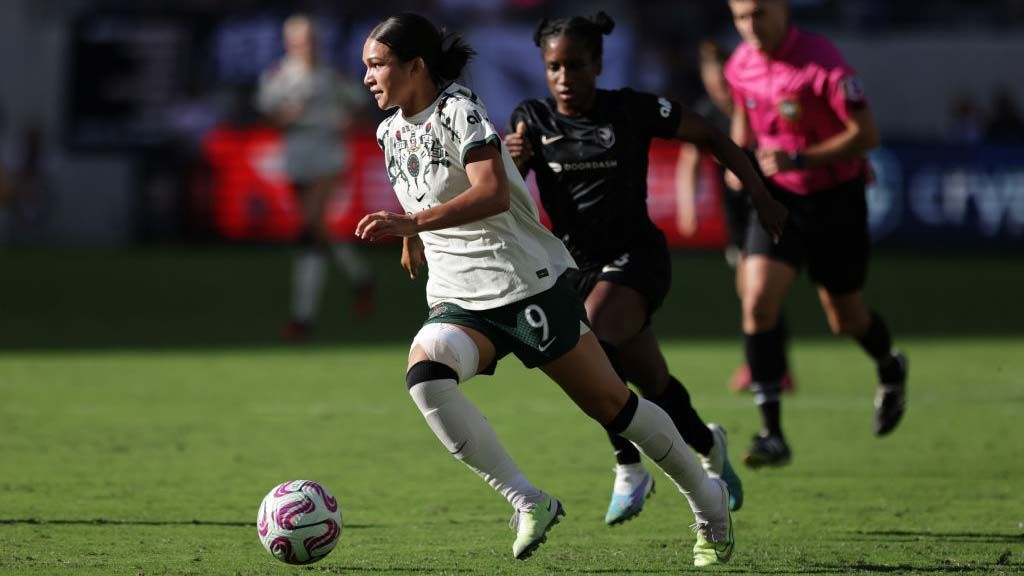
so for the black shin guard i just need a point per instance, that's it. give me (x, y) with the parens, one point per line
(625, 416)
(625, 452)
(675, 400)
(426, 370)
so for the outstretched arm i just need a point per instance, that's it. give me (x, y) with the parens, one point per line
(695, 129)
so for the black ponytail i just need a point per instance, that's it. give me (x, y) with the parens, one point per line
(411, 36)
(588, 30)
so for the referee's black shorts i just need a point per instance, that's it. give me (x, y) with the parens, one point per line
(827, 231)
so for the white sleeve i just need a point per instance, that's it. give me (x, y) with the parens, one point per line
(471, 127)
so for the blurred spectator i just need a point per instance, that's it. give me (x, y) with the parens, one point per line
(1005, 125)
(313, 105)
(966, 122)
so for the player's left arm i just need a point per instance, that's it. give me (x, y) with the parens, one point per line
(488, 194)
(695, 129)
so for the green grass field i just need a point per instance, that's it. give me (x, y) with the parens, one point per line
(146, 408)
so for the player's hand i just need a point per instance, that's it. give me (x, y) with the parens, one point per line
(733, 182)
(384, 223)
(774, 161)
(413, 256)
(518, 146)
(770, 212)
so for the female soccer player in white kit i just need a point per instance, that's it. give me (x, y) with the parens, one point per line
(495, 284)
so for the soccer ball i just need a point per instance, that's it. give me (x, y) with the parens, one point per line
(299, 522)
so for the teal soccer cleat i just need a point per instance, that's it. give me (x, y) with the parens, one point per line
(717, 464)
(624, 507)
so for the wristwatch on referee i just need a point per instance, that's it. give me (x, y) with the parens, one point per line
(798, 160)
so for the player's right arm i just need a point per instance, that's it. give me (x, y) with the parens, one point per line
(695, 129)
(488, 194)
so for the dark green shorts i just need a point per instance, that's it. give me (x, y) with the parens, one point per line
(537, 330)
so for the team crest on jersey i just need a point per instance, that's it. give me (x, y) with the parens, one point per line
(412, 164)
(789, 109)
(606, 136)
(751, 103)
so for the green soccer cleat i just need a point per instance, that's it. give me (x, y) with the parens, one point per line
(715, 539)
(532, 526)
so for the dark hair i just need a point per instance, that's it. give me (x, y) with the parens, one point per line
(411, 36)
(588, 30)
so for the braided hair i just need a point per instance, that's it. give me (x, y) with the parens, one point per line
(588, 30)
(411, 36)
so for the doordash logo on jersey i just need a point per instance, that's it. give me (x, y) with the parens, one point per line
(559, 167)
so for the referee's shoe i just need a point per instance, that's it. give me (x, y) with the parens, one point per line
(891, 394)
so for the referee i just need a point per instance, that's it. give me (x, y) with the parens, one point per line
(802, 106)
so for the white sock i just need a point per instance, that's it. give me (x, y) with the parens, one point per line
(351, 262)
(654, 433)
(469, 437)
(308, 275)
(628, 477)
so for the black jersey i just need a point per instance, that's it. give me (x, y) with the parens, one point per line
(592, 170)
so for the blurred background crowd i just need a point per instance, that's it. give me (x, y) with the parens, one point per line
(126, 121)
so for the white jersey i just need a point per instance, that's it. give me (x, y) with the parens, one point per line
(480, 265)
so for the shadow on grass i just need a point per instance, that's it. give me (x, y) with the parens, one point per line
(112, 522)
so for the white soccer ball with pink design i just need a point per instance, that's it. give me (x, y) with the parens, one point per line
(299, 522)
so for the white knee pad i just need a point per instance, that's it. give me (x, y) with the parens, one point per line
(449, 345)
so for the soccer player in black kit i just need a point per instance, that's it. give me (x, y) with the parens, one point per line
(589, 149)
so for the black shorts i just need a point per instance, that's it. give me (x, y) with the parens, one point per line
(826, 230)
(646, 267)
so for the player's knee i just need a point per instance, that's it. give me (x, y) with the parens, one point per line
(447, 345)
(759, 312)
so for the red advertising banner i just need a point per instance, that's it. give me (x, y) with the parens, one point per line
(253, 200)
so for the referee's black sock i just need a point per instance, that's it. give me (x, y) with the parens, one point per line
(877, 342)
(782, 328)
(625, 451)
(675, 400)
(766, 355)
